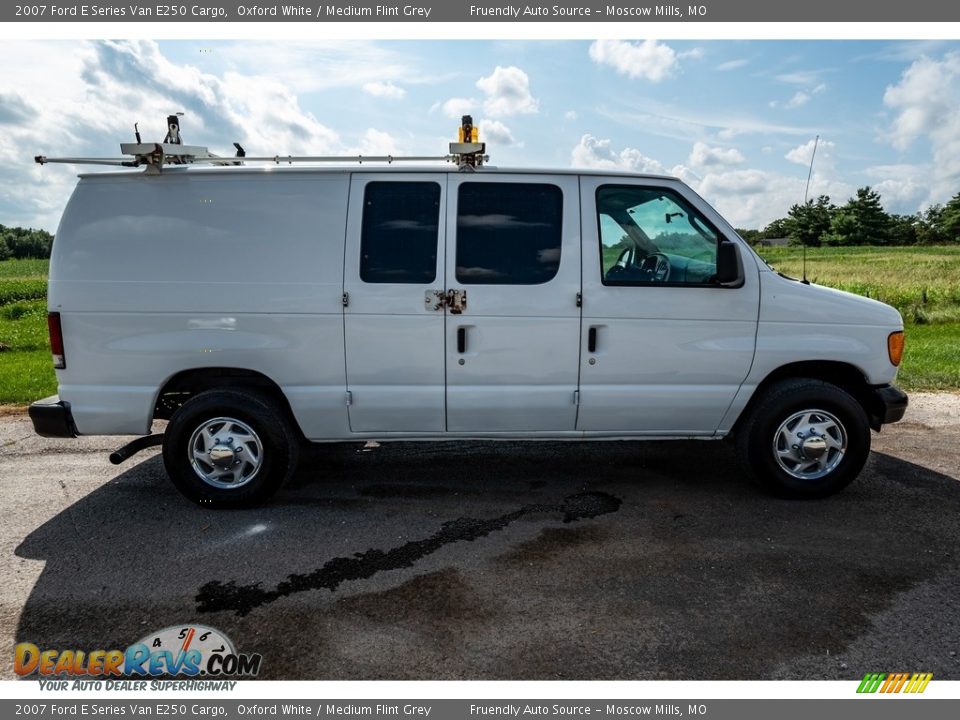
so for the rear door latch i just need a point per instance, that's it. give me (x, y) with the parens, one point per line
(456, 301)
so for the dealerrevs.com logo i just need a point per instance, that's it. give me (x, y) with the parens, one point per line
(912, 683)
(180, 650)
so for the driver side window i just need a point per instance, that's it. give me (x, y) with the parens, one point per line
(653, 236)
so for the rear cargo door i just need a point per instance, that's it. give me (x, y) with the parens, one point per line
(393, 314)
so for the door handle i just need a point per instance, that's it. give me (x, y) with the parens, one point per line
(461, 340)
(592, 340)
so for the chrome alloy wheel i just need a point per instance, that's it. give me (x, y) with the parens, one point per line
(809, 444)
(225, 453)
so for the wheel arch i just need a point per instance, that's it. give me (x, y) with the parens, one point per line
(844, 375)
(183, 385)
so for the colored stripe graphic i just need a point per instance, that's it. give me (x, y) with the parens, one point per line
(894, 682)
(870, 682)
(919, 682)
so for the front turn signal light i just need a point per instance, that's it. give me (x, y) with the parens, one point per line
(895, 347)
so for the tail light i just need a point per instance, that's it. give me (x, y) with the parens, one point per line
(56, 340)
(895, 347)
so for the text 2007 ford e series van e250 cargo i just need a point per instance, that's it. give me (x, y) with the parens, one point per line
(259, 308)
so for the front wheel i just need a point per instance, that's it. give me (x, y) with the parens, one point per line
(229, 448)
(804, 439)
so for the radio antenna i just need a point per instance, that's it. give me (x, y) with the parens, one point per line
(806, 195)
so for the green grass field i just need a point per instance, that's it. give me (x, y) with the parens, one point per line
(26, 371)
(922, 283)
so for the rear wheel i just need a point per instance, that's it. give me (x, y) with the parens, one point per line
(805, 439)
(229, 448)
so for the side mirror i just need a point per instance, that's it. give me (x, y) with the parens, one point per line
(729, 265)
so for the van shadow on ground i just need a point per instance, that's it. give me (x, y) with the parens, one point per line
(518, 561)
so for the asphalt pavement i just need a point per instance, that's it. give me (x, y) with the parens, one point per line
(482, 560)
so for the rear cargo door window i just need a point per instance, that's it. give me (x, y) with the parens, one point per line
(398, 240)
(508, 233)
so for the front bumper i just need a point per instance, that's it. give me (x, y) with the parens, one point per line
(889, 404)
(52, 418)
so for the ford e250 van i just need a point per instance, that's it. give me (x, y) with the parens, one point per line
(260, 308)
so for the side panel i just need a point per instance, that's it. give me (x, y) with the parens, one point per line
(156, 275)
(394, 339)
(668, 360)
(517, 371)
(122, 359)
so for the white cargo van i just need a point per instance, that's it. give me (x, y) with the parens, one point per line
(259, 308)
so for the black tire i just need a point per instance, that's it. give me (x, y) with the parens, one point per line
(262, 431)
(770, 431)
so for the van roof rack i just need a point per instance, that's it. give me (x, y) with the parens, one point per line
(467, 153)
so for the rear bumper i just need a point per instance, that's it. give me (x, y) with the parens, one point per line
(890, 403)
(52, 418)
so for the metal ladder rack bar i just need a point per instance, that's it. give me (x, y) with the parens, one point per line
(275, 159)
(44, 160)
(467, 153)
(360, 159)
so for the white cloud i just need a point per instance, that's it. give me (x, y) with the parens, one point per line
(693, 53)
(593, 152)
(384, 89)
(570, 115)
(376, 142)
(752, 198)
(824, 159)
(903, 187)
(926, 101)
(14, 108)
(507, 92)
(703, 156)
(706, 125)
(649, 59)
(923, 98)
(903, 196)
(807, 78)
(457, 107)
(84, 98)
(308, 66)
(732, 64)
(800, 97)
(496, 132)
(737, 183)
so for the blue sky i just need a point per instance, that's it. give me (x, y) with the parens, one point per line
(735, 119)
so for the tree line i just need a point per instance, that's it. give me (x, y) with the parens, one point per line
(862, 221)
(20, 243)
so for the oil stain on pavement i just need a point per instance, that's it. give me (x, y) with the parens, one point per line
(217, 596)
